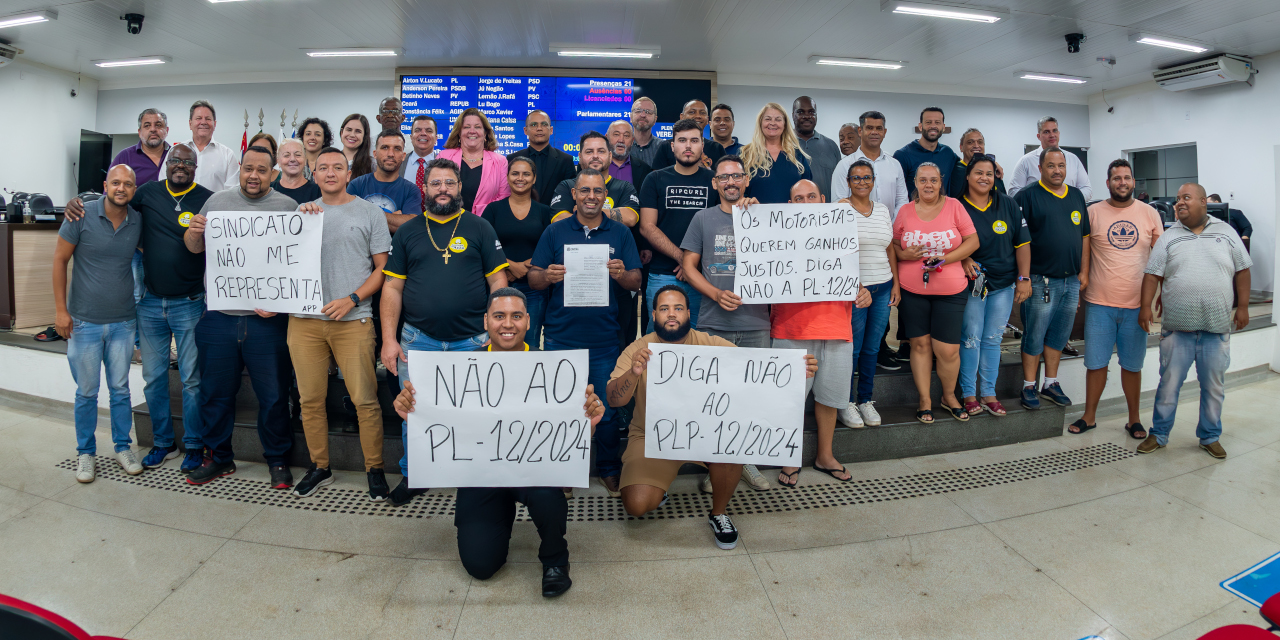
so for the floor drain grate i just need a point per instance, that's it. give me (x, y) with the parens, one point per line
(679, 505)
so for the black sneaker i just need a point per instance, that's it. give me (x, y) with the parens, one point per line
(211, 471)
(378, 489)
(886, 361)
(726, 533)
(402, 494)
(281, 477)
(312, 482)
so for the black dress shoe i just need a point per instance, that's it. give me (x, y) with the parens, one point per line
(555, 581)
(402, 494)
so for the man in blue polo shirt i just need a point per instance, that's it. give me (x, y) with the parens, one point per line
(593, 328)
(927, 149)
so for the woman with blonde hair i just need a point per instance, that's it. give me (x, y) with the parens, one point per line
(483, 172)
(773, 158)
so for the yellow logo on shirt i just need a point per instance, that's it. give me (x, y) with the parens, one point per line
(608, 203)
(999, 226)
(185, 217)
(458, 245)
(1075, 217)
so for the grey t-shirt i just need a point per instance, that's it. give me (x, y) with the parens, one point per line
(101, 268)
(710, 235)
(234, 200)
(1199, 275)
(353, 234)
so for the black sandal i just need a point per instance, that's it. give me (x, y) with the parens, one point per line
(833, 472)
(925, 413)
(1079, 424)
(50, 334)
(1137, 426)
(956, 412)
(795, 473)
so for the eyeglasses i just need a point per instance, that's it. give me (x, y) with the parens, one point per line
(862, 178)
(435, 184)
(647, 112)
(586, 191)
(391, 111)
(726, 178)
(174, 162)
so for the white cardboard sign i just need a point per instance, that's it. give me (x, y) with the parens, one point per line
(725, 404)
(509, 419)
(796, 253)
(267, 260)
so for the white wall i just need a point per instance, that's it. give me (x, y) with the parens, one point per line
(1234, 144)
(118, 109)
(41, 136)
(1006, 124)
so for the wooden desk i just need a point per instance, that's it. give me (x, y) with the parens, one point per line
(26, 274)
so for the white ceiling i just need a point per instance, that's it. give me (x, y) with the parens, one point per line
(745, 38)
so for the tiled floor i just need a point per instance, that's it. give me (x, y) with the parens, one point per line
(1132, 549)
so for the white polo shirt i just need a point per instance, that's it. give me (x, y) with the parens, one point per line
(1027, 173)
(217, 166)
(891, 184)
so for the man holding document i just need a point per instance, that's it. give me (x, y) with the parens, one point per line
(576, 258)
(484, 515)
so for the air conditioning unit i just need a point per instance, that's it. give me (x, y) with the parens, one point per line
(8, 53)
(1210, 72)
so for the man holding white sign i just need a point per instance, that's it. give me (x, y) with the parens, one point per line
(484, 515)
(646, 478)
(588, 327)
(238, 333)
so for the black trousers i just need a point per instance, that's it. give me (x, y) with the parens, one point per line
(484, 515)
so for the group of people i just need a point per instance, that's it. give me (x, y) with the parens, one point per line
(462, 249)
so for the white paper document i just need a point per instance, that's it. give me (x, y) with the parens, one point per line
(586, 275)
(796, 253)
(267, 260)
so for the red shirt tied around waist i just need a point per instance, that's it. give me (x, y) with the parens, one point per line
(938, 236)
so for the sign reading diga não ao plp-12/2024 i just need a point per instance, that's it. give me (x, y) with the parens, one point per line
(724, 404)
(499, 419)
(267, 260)
(796, 253)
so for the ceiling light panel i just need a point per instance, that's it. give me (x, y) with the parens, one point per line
(952, 12)
(30, 17)
(1170, 43)
(141, 61)
(1051, 77)
(865, 63)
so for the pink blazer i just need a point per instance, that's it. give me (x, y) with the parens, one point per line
(493, 178)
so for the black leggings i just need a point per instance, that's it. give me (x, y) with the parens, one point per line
(940, 317)
(484, 516)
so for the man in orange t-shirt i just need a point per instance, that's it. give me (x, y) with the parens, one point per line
(824, 330)
(1124, 231)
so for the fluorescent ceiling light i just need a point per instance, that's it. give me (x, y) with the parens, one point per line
(1052, 77)
(34, 17)
(1169, 43)
(856, 62)
(133, 62)
(218, 1)
(357, 52)
(635, 53)
(974, 14)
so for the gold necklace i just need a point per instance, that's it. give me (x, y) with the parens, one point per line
(445, 251)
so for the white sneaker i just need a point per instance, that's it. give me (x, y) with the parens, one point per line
(86, 470)
(705, 485)
(129, 461)
(754, 479)
(849, 417)
(869, 413)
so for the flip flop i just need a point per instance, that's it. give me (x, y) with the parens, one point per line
(50, 334)
(795, 473)
(1137, 426)
(1079, 424)
(925, 413)
(833, 472)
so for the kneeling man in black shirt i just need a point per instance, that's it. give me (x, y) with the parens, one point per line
(484, 515)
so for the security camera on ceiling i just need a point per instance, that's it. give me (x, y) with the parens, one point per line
(7, 53)
(1073, 42)
(133, 22)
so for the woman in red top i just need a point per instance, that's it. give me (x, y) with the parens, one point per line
(932, 235)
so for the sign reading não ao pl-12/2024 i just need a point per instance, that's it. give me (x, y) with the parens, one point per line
(795, 253)
(267, 260)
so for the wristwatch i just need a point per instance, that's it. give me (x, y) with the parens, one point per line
(355, 298)
(1021, 278)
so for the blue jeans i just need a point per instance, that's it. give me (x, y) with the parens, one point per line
(90, 348)
(984, 322)
(1048, 324)
(161, 320)
(1211, 353)
(139, 289)
(413, 339)
(660, 280)
(536, 303)
(868, 328)
(228, 345)
(603, 360)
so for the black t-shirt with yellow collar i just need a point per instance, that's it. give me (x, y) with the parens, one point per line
(445, 299)
(170, 269)
(1058, 223)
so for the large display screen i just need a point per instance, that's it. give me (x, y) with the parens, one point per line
(575, 105)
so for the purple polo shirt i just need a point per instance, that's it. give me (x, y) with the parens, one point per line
(144, 169)
(623, 172)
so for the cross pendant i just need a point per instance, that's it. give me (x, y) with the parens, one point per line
(446, 257)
